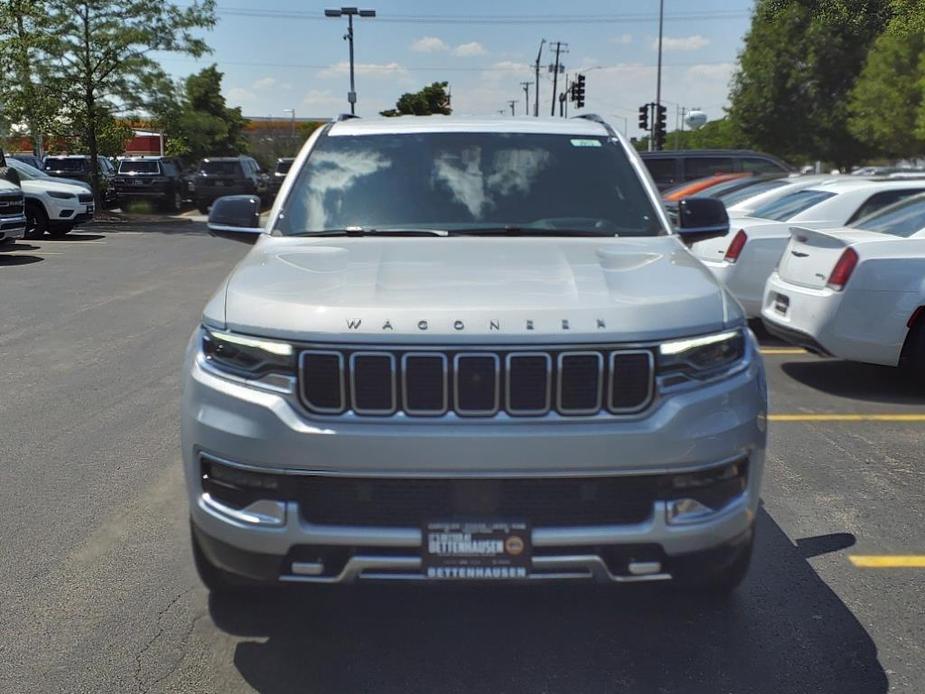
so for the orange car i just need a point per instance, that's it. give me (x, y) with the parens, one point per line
(685, 190)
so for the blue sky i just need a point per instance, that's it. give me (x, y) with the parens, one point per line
(298, 60)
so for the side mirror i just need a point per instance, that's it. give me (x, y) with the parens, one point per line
(236, 217)
(700, 219)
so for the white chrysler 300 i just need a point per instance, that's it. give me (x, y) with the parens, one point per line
(745, 259)
(471, 349)
(856, 293)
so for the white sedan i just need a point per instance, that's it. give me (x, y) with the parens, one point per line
(745, 258)
(856, 293)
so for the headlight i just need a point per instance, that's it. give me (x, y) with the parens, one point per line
(247, 357)
(61, 196)
(702, 356)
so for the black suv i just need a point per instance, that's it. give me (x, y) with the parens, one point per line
(279, 174)
(220, 176)
(158, 179)
(672, 167)
(77, 166)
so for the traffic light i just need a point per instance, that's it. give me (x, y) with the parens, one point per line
(661, 126)
(644, 117)
(579, 88)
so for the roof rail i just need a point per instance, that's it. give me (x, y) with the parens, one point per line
(345, 116)
(597, 119)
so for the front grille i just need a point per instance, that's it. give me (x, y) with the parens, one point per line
(539, 501)
(11, 205)
(85, 197)
(372, 382)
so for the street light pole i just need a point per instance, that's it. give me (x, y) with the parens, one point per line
(350, 12)
(658, 79)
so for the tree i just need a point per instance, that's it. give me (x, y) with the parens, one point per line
(721, 133)
(887, 101)
(430, 100)
(197, 121)
(28, 107)
(800, 62)
(102, 54)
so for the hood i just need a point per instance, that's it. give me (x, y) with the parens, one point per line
(44, 185)
(7, 187)
(473, 289)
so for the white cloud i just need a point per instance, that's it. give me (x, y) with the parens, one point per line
(712, 71)
(682, 43)
(464, 50)
(239, 95)
(367, 69)
(323, 98)
(265, 83)
(429, 44)
(622, 39)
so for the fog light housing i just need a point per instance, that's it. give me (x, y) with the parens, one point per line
(693, 496)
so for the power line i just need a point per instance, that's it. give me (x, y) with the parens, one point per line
(703, 15)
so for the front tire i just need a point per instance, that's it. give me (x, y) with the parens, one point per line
(36, 220)
(913, 354)
(59, 231)
(722, 582)
(218, 581)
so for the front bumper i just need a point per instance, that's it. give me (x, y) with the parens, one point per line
(265, 431)
(12, 228)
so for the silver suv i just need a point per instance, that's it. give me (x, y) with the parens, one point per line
(471, 350)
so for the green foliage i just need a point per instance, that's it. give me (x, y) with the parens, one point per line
(101, 55)
(197, 121)
(799, 65)
(28, 106)
(887, 100)
(717, 134)
(432, 99)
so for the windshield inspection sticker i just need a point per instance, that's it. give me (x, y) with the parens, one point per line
(586, 143)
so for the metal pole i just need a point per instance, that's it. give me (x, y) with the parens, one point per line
(555, 78)
(658, 82)
(526, 86)
(536, 90)
(352, 96)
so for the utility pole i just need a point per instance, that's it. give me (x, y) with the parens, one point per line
(526, 86)
(350, 12)
(560, 48)
(658, 79)
(512, 103)
(536, 91)
(292, 122)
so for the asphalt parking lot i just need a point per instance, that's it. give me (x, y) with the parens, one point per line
(100, 595)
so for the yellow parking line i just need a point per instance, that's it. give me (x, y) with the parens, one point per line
(889, 561)
(783, 350)
(846, 417)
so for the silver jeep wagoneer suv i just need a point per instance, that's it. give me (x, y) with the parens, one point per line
(471, 350)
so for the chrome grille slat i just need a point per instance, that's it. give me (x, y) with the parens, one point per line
(507, 381)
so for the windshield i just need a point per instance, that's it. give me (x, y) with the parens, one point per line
(26, 172)
(791, 205)
(731, 197)
(144, 167)
(221, 168)
(470, 181)
(282, 167)
(902, 219)
(76, 165)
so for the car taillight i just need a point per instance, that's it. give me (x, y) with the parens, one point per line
(735, 248)
(841, 273)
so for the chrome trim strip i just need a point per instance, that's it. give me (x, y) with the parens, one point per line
(507, 382)
(610, 370)
(404, 383)
(408, 568)
(476, 355)
(392, 380)
(600, 382)
(303, 383)
(264, 512)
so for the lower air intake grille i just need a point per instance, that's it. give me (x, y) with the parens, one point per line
(541, 501)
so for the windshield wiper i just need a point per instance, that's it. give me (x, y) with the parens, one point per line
(372, 231)
(528, 231)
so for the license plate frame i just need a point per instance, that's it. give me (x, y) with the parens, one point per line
(476, 550)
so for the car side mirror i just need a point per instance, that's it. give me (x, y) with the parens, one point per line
(700, 219)
(236, 217)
